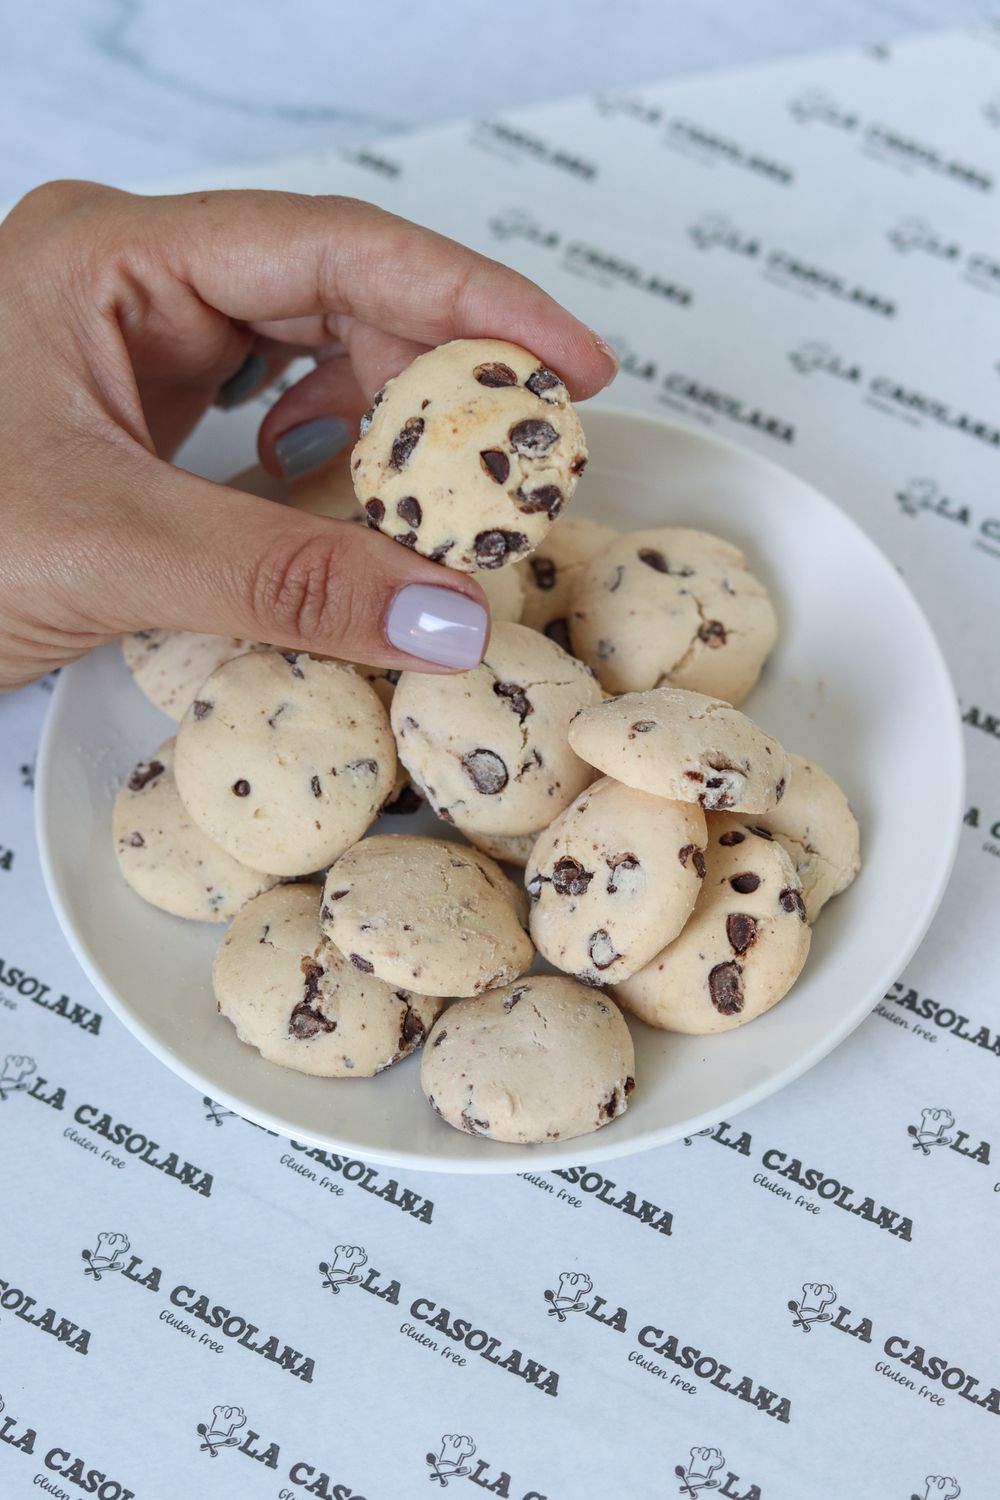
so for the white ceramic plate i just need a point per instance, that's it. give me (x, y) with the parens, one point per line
(857, 683)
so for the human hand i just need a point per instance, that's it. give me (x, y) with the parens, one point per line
(124, 316)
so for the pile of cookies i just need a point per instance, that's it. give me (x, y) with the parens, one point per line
(674, 855)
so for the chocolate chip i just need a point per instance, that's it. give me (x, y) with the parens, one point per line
(409, 509)
(492, 548)
(533, 437)
(137, 841)
(745, 883)
(408, 801)
(317, 790)
(241, 788)
(367, 764)
(200, 708)
(515, 697)
(779, 790)
(732, 837)
(439, 1038)
(375, 511)
(741, 931)
(699, 864)
(558, 631)
(440, 553)
(642, 726)
(292, 658)
(339, 895)
(277, 713)
(474, 1127)
(605, 649)
(629, 1086)
(654, 559)
(615, 585)
(547, 499)
(407, 439)
(610, 1106)
(306, 1022)
(720, 762)
(366, 420)
(406, 538)
(144, 773)
(514, 997)
(411, 1028)
(578, 464)
(713, 633)
(486, 771)
(541, 380)
(496, 464)
(694, 775)
(569, 877)
(685, 854)
(445, 815)
(495, 374)
(361, 963)
(762, 833)
(716, 800)
(725, 986)
(792, 901)
(544, 572)
(624, 862)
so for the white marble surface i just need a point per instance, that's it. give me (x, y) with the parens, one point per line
(127, 91)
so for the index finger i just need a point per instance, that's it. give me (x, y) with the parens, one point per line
(261, 256)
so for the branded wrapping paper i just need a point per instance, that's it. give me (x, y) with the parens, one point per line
(803, 259)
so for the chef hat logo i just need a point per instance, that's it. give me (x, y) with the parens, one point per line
(111, 1245)
(917, 494)
(703, 1463)
(225, 1421)
(910, 234)
(941, 1487)
(16, 1069)
(712, 229)
(812, 104)
(814, 354)
(934, 1122)
(573, 1285)
(347, 1258)
(816, 1295)
(451, 1461)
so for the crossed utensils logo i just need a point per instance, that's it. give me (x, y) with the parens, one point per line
(711, 229)
(939, 1487)
(452, 1460)
(111, 1247)
(344, 1269)
(709, 1130)
(573, 1287)
(215, 1112)
(17, 1070)
(811, 1307)
(931, 1130)
(221, 1431)
(696, 1474)
(912, 234)
(812, 355)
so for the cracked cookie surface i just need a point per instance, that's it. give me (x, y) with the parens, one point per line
(540, 1060)
(285, 760)
(744, 944)
(430, 915)
(673, 606)
(684, 746)
(613, 880)
(166, 858)
(469, 454)
(551, 572)
(294, 996)
(488, 748)
(815, 826)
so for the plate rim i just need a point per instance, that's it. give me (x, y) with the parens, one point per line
(599, 1146)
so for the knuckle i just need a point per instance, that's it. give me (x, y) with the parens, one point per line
(302, 590)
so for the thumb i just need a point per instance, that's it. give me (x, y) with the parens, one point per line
(226, 563)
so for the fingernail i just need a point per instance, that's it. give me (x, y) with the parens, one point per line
(310, 444)
(246, 380)
(607, 349)
(438, 625)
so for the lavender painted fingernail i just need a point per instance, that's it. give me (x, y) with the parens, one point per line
(238, 387)
(310, 444)
(438, 625)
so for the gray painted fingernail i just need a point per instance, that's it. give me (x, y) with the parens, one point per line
(310, 444)
(438, 625)
(238, 387)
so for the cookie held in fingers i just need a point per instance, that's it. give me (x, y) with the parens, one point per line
(295, 997)
(684, 746)
(744, 944)
(541, 1060)
(488, 748)
(669, 605)
(613, 879)
(815, 826)
(550, 573)
(166, 858)
(171, 665)
(427, 915)
(469, 454)
(285, 760)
